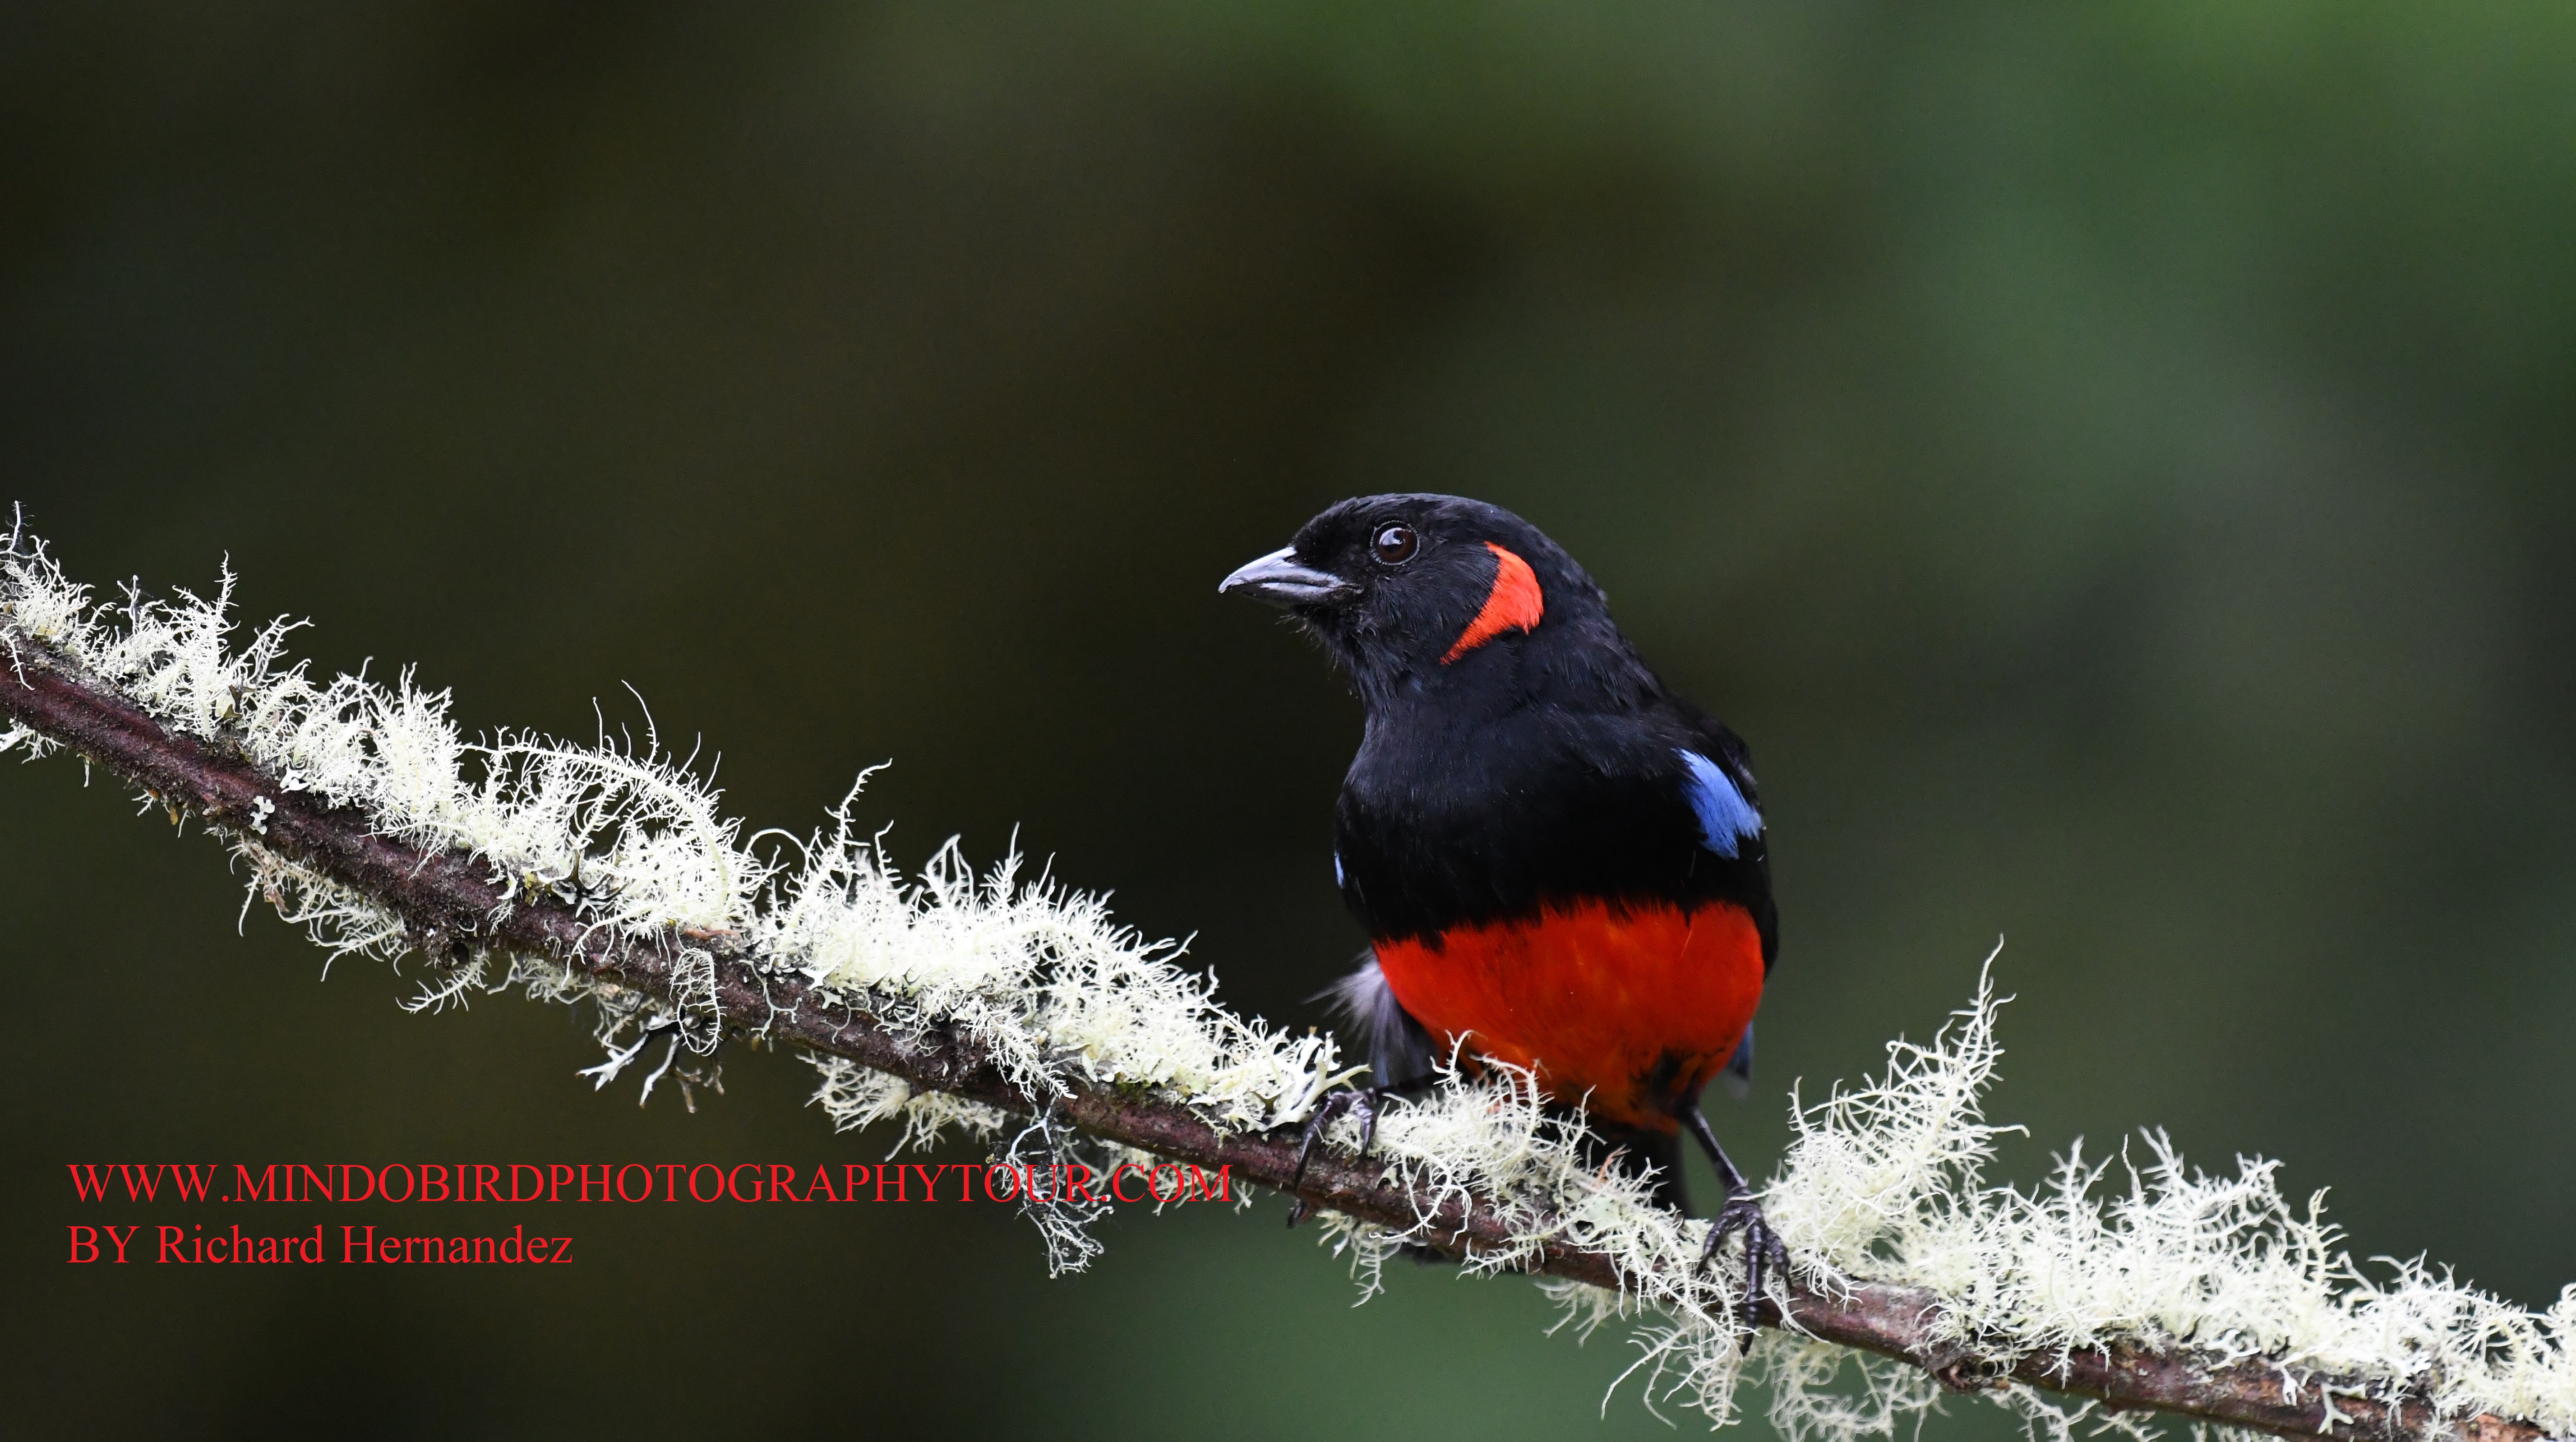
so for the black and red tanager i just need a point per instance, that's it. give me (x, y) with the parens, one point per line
(1560, 864)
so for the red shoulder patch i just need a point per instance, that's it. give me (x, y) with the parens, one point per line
(1513, 605)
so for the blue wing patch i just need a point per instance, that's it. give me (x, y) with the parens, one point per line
(1337, 868)
(1725, 817)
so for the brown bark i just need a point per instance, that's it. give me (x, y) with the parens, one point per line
(449, 904)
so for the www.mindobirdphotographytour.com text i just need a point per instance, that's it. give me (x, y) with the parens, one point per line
(99, 1187)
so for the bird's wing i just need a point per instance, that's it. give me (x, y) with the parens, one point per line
(1738, 1075)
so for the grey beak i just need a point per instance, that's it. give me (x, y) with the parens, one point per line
(1280, 581)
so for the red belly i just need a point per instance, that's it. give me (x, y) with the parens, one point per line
(1639, 1006)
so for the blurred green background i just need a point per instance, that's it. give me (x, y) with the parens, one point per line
(2111, 461)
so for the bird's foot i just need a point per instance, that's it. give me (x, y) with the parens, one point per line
(1362, 1100)
(1763, 1252)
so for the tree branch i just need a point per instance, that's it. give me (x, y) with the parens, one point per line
(453, 908)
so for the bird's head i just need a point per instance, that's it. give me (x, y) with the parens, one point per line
(1416, 591)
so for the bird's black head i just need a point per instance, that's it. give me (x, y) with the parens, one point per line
(1421, 592)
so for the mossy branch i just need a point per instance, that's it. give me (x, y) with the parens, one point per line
(454, 907)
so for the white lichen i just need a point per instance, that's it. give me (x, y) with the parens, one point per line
(1040, 976)
(1882, 1182)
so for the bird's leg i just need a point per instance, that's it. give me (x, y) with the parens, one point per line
(1363, 1100)
(1739, 1212)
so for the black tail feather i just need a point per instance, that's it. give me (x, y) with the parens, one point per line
(1637, 1153)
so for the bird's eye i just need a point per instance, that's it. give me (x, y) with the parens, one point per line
(1395, 545)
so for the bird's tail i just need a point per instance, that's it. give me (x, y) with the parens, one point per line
(1639, 1152)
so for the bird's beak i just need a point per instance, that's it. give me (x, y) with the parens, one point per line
(1280, 581)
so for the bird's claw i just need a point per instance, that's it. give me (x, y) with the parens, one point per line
(1763, 1251)
(1362, 1100)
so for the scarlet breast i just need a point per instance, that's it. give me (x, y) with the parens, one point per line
(1637, 1005)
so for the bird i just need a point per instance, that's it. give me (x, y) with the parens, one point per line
(1561, 865)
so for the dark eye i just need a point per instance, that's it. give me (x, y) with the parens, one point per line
(1395, 545)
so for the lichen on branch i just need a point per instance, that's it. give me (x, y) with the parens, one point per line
(1021, 1010)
